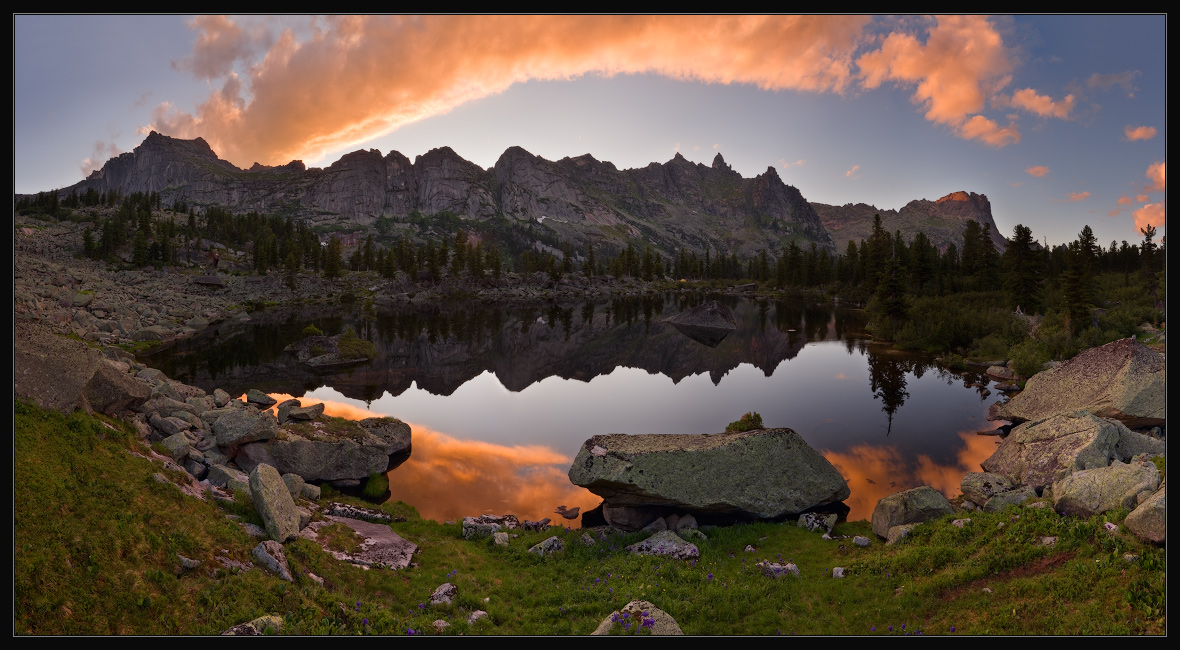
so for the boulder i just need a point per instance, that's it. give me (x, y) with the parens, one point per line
(1133, 443)
(256, 627)
(241, 426)
(274, 504)
(909, 507)
(64, 374)
(259, 398)
(1149, 521)
(1011, 497)
(548, 546)
(306, 412)
(764, 474)
(340, 450)
(1093, 491)
(1124, 380)
(640, 614)
(294, 484)
(981, 486)
(708, 324)
(394, 433)
(445, 594)
(778, 570)
(1039, 452)
(667, 544)
(270, 555)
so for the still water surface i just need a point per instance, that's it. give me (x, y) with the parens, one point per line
(500, 397)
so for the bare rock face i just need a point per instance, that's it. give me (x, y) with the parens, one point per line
(941, 220)
(909, 507)
(675, 205)
(766, 474)
(1124, 380)
(1043, 451)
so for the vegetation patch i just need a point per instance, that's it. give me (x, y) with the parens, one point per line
(749, 422)
(350, 346)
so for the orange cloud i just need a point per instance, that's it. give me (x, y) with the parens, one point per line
(449, 478)
(1142, 198)
(1124, 199)
(1139, 132)
(962, 63)
(989, 132)
(1155, 174)
(1114, 213)
(850, 172)
(1038, 171)
(875, 472)
(361, 77)
(1078, 196)
(1043, 105)
(1150, 214)
(278, 97)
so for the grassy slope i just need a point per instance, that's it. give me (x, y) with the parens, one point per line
(96, 538)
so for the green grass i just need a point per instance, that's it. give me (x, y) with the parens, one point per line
(96, 539)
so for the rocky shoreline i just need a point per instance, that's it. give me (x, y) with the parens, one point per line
(87, 299)
(58, 292)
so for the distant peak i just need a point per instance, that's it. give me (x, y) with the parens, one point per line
(964, 197)
(719, 162)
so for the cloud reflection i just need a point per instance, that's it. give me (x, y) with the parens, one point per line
(447, 478)
(874, 472)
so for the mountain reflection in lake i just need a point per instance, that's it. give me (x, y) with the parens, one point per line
(500, 398)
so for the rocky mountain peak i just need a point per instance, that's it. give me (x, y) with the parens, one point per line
(719, 162)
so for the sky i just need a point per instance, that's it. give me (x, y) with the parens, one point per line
(1059, 120)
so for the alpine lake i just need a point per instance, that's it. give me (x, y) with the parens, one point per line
(500, 396)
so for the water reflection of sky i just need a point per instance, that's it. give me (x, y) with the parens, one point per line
(505, 451)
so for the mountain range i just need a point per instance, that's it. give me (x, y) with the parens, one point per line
(673, 205)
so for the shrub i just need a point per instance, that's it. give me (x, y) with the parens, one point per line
(375, 486)
(312, 330)
(317, 350)
(352, 347)
(1027, 357)
(749, 422)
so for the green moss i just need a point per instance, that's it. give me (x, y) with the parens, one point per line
(748, 422)
(312, 330)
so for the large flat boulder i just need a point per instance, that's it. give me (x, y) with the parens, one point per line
(330, 449)
(765, 474)
(1040, 452)
(1124, 380)
(913, 506)
(65, 374)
